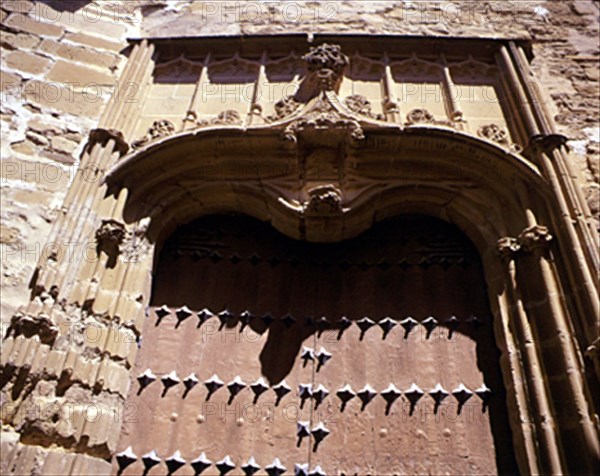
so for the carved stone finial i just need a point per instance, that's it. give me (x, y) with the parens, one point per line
(327, 62)
(324, 200)
(159, 129)
(507, 246)
(360, 105)
(535, 236)
(494, 133)
(110, 236)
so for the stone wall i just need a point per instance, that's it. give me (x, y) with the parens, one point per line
(60, 61)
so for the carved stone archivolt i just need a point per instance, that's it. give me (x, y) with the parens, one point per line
(361, 105)
(158, 130)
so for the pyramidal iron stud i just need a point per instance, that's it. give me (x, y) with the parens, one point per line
(226, 317)
(322, 324)
(150, 460)
(236, 386)
(288, 321)
(250, 467)
(391, 393)
(430, 324)
(213, 384)
(267, 319)
(462, 394)
(475, 321)
(162, 312)
(452, 324)
(408, 324)
(320, 432)
(281, 390)
(320, 393)
(201, 463)
(275, 468)
(146, 378)
(170, 380)
(306, 355)
(387, 325)
(258, 388)
(364, 325)
(322, 357)
(366, 394)
(225, 465)
(204, 315)
(182, 314)
(438, 393)
(174, 462)
(125, 458)
(345, 394)
(414, 393)
(317, 471)
(305, 390)
(302, 429)
(246, 318)
(484, 393)
(301, 469)
(190, 381)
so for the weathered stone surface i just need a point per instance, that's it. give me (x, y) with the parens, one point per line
(67, 72)
(17, 6)
(79, 54)
(31, 25)
(18, 41)
(94, 41)
(64, 99)
(26, 62)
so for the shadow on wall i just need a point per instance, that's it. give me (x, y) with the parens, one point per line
(66, 5)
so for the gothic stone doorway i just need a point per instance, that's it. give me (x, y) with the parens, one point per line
(235, 299)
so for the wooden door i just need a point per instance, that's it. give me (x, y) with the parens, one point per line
(379, 350)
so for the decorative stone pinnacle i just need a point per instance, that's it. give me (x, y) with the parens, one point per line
(536, 236)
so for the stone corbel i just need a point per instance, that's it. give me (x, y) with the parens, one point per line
(507, 247)
(545, 144)
(534, 237)
(109, 237)
(102, 136)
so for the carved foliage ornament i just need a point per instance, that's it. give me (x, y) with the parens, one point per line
(361, 105)
(328, 63)
(159, 129)
(324, 200)
(323, 116)
(284, 107)
(229, 117)
(494, 133)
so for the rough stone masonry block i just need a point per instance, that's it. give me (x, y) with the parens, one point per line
(31, 25)
(94, 41)
(65, 99)
(67, 72)
(79, 54)
(27, 62)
